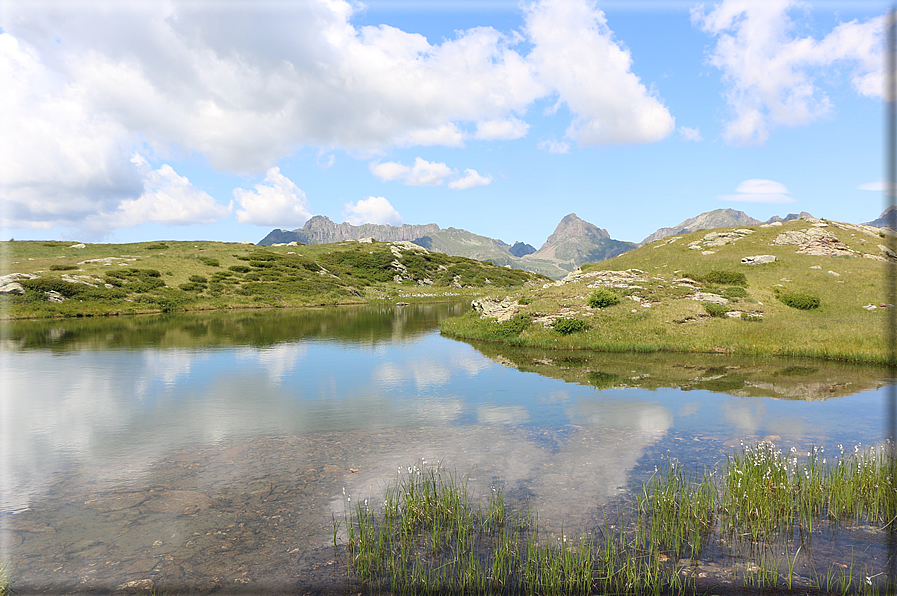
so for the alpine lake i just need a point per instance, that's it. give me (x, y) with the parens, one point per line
(221, 452)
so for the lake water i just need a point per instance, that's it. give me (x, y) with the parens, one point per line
(213, 451)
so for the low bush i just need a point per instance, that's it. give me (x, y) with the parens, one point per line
(721, 278)
(240, 268)
(512, 327)
(58, 267)
(602, 298)
(568, 326)
(735, 292)
(157, 246)
(209, 261)
(716, 310)
(191, 286)
(200, 279)
(799, 300)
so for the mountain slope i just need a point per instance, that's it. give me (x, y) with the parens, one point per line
(882, 221)
(575, 242)
(718, 218)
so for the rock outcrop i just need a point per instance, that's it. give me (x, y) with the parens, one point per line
(321, 230)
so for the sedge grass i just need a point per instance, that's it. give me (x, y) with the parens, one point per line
(431, 536)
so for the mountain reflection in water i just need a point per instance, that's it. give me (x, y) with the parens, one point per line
(211, 451)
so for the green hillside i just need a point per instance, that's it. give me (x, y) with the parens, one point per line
(823, 295)
(53, 279)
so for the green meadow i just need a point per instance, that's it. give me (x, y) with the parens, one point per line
(832, 306)
(152, 277)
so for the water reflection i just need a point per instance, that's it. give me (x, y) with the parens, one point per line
(250, 425)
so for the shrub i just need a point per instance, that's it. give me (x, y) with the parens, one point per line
(157, 246)
(716, 310)
(58, 267)
(192, 287)
(198, 279)
(568, 326)
(722, 278)
(800, 300)
(209, 261)
(513, 326)
(602, 298)
(240, 268)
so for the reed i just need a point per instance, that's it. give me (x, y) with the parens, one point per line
(432, 537)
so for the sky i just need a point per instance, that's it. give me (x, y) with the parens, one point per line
(139, 120)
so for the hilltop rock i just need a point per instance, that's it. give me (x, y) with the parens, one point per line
(814, 241)
(718, 218)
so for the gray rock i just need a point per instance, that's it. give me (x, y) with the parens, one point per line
(709, 297)
(11, 277)
(758, 260)
(11, 288)
(54, 296)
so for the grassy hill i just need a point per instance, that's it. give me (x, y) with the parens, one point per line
(823, 295)
(56, 279)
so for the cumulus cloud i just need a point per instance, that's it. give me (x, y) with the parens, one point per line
(167, 198)
(553, 146)
(501, 130)
(376, 210)
(758, 190)
(83, 90)
(770, 72)
(690, 134)
(276, 201)
(471, 179)
(576, 55)
(426, 173)
(422, 173)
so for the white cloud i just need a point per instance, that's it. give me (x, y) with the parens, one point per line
(167, 199)
(770, 72)
(275, 202)
(576, 55)
(690, 134)
(422, 173)
(376, 210)
(552, 146)
(879, 186)
(83, 90)
(471, 179)
(501, 130)
(426, 173)
(758, 190)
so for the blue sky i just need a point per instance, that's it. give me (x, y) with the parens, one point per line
(135, 121)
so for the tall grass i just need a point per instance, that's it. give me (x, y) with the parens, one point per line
(431, 536)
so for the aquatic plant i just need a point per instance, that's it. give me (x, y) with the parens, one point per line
(432, 537)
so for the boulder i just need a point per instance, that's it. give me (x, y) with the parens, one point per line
(54, 296)
(11, 288)
(758, 260)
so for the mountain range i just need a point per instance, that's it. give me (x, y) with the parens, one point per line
(573, 243)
